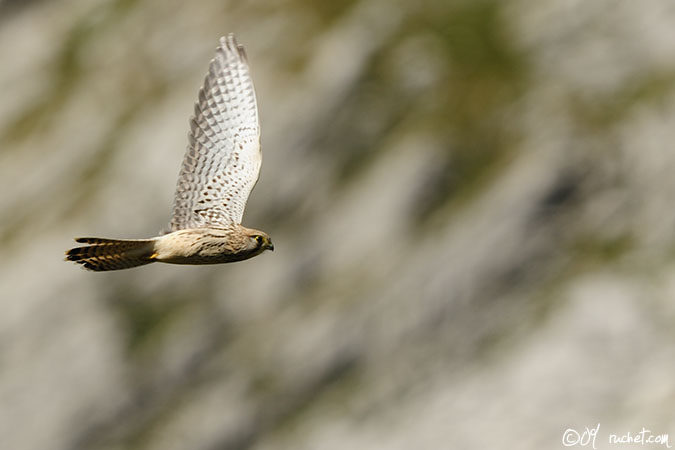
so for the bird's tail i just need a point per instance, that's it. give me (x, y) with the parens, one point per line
(112, 254)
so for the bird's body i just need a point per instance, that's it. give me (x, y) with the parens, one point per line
(210, 245)
(220, 168)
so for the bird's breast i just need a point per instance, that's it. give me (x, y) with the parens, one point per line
(198, 246)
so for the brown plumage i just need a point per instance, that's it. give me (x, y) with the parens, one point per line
(207, 245)
(220, 168)
(112, 254)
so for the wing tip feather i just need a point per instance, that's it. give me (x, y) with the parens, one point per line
(229, 44)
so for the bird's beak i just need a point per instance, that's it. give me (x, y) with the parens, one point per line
(270, 247)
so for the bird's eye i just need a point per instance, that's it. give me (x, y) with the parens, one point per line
(259, 239)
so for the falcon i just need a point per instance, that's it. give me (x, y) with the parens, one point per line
(220, 168)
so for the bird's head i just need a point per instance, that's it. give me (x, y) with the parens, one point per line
(258, 241)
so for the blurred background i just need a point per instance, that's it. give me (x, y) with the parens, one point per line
(471, 203)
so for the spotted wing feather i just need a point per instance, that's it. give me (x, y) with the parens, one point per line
(223, 157)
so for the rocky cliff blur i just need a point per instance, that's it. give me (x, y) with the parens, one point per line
(471, 202)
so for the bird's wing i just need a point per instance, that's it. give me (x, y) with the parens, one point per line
(223, 157)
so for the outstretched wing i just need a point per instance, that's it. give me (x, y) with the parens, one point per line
(223, 157)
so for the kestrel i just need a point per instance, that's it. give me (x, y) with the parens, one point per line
(220, 168)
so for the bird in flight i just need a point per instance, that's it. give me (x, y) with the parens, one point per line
(220, 168)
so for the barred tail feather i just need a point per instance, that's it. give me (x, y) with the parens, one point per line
(112, 254)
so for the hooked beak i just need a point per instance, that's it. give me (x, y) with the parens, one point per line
(270, 246)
